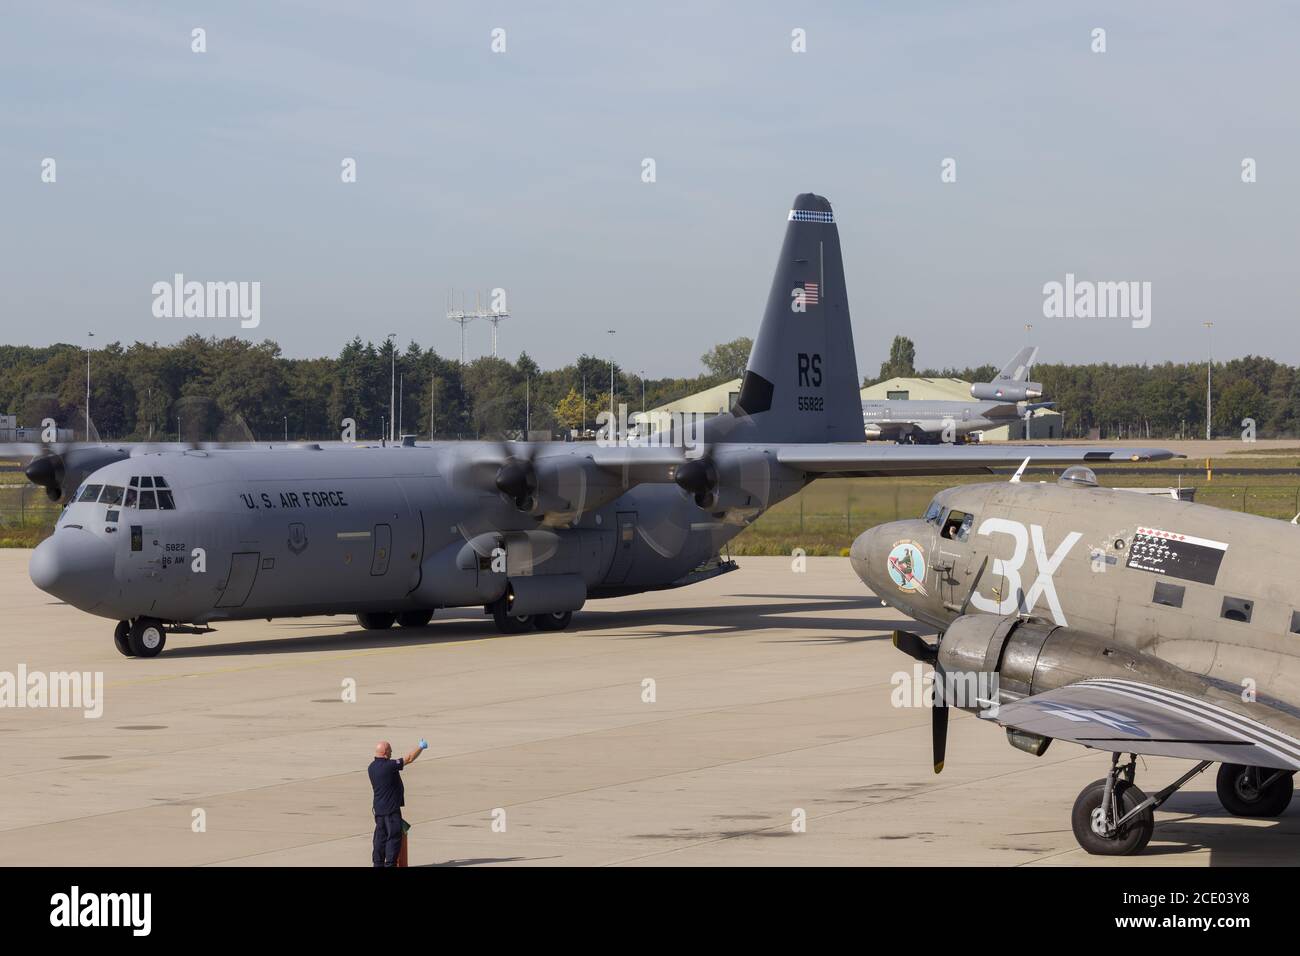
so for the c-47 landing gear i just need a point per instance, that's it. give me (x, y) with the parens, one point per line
(1112, 817)
(1254, 791)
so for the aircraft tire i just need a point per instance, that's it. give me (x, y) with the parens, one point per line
(1134, 836)
(122, 638)
(376, 620)
(415, 618)
(510, 623)
(553, 622)
(1241, 798)
(148, 637)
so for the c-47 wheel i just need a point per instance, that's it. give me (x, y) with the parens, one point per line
(1087, 820)
(1246, 792)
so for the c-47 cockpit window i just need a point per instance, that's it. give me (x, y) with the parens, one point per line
(90, 493)
(957, 525)
(112, 495)
(933, 513)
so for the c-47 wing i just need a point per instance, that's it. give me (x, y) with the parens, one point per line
(878, 459)
(1126, 716)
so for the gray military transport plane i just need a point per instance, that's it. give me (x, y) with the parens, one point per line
(999, 402)
(157, 539)
(1124, 622)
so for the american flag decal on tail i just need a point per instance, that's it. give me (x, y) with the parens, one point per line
(810, 293)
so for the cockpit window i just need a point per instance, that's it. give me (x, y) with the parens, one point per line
(934, 512)
(90, 493)
(957, 525)
(146, 493)
(112, 495)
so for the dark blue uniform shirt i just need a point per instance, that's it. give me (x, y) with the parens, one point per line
(386, 779)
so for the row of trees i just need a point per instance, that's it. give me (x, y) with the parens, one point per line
(205, 389)
(1147, 401)
(231, 389)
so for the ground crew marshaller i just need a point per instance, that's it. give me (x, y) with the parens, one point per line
(390, 797)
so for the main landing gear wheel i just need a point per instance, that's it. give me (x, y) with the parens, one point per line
(122, 638)
(147, 638)
(1254, 791)
(414, 618)
(510, 623)
(556, 621)
(1112, 817)
(1094, 825)
(376, 620)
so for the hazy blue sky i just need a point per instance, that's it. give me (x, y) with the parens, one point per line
(522, 170)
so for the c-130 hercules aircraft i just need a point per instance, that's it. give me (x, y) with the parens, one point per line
(1124, 622)
(529, 531)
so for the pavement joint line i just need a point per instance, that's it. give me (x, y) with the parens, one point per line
(726, 763)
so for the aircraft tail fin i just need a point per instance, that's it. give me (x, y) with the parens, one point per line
(1017, 370)
(801, 383)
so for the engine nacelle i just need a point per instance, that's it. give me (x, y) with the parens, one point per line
(1006, 391)
(733, 485)
(1029, 656)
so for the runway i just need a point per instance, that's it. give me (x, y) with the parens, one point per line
(772, 695)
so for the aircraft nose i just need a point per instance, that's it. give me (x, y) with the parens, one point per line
(869, 555)
(74, 566)
(863, 555)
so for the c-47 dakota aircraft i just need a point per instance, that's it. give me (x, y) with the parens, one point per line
(1124, 622)
(158, 538)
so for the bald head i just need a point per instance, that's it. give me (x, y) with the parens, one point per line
(383, 749)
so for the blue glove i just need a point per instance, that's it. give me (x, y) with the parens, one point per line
(424, 744)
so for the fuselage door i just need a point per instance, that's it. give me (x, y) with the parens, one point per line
(243, 572)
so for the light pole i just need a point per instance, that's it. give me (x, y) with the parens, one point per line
(1209, 372)
(89, 335)
(612, 419)
(286, 429)
(392, 394)
(401, 402)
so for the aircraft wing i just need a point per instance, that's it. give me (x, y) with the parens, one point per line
(1127, 716)
(871, 460)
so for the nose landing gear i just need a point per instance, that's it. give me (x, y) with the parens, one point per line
(143, 637)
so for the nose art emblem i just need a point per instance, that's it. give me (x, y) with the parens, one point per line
(297, 538)
(907, 567)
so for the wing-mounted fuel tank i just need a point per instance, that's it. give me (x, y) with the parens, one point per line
(1030, 656)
